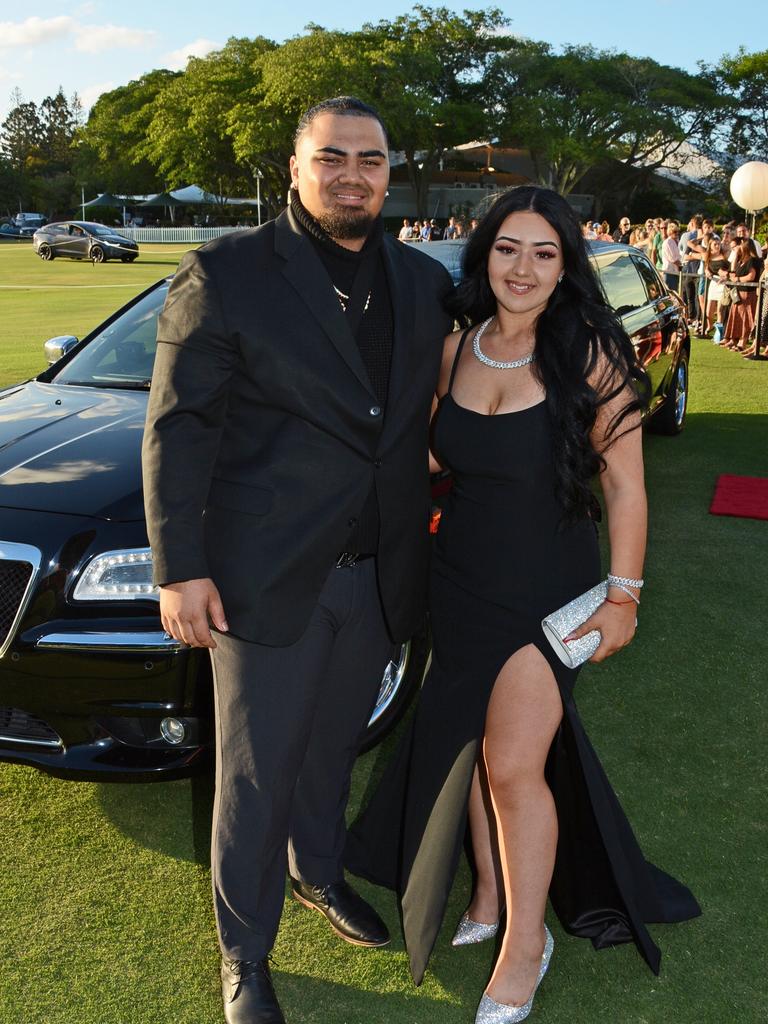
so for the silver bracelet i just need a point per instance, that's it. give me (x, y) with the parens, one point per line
(617, 580)
(627, 591)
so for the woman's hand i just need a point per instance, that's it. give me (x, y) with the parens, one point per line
(617, 624)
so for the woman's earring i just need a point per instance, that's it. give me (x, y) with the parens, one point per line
(562, 275)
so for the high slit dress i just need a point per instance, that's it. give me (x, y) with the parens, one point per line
(503, 560)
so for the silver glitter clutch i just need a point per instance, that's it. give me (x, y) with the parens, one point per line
(560, 624)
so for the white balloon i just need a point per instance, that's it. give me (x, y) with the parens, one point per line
(749, 185)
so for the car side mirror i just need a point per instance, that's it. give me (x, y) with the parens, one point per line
(57, 348)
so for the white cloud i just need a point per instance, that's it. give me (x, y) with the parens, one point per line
(91, 93)
(97, 38)
(177, 60)
(34, 30)
(88, 38)
(9, 76)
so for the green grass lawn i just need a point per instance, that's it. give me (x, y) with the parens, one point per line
(40, 300)
(104, 889)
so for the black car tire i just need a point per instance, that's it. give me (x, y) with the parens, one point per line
(414, 655)
(127, 259)
(98, 255)
(670, 419)
(45, 252)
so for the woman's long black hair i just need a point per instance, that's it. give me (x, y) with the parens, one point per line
(584, 357)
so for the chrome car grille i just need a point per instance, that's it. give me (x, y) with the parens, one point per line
(21, 727)
(19, 564)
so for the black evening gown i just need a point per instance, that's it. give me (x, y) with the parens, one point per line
(502, 561)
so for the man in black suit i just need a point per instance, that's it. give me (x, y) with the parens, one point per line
(287, 496)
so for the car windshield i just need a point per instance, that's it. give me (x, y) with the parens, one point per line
(99, 229)
(123, 353)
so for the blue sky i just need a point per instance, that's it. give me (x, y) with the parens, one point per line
(94, 46)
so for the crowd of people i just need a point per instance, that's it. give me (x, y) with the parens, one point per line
(715, 270)
(430, 230)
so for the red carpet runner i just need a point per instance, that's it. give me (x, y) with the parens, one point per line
(745, 496)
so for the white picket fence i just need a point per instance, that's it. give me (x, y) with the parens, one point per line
(188, 234)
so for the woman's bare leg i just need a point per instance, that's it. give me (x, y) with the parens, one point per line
(523, 716)
(488, 895)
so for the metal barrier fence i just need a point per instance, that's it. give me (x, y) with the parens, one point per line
(188, 234)
(761, 320)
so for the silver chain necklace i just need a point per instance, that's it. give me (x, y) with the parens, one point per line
(344, 299)
(514, 364)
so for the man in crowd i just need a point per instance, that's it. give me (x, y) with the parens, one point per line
(451, 229)
(742, 231)
(406, 231)
(287, 493)
(623, 231)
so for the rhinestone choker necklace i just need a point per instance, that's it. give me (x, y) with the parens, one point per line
(514, 364)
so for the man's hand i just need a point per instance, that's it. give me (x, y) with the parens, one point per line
(185, 609)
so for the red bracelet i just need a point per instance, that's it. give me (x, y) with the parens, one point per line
(609, 601)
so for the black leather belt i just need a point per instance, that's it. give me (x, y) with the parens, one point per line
(347, 558)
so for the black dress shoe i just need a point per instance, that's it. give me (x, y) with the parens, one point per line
(347, 913)
(249, 997)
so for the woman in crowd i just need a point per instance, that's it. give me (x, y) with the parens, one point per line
(746, 271)
(541, 393)
(604, 234)
(701, 247)
(643, 242)
(716, 269)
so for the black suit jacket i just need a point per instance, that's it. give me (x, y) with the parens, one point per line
(264, 436)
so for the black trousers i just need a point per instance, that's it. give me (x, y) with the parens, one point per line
(289, 721)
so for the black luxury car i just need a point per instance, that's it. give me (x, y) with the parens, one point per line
(90, 686)
(82, 240)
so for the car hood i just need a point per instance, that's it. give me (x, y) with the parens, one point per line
(72, 449)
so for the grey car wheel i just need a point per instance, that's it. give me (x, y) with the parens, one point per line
(98, 255)
(45, 252)
(671, 417)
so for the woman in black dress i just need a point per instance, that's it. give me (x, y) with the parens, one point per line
(537, 397)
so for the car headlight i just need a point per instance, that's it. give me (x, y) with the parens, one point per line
(118, 576)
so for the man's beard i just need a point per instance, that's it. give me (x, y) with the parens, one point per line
(346, 224)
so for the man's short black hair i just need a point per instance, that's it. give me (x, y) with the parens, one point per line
(345, 106)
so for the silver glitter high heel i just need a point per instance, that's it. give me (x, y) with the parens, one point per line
(469, 932)
(491, 1012)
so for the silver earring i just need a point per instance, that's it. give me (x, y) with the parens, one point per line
(560, 278)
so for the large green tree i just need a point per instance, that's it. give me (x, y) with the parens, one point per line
(37, 152)
(424, 71)
(432, 84)
(190, 137)
(573, 109)
(111, 146)
(287, 80)
(21, 135)
(747, 77)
